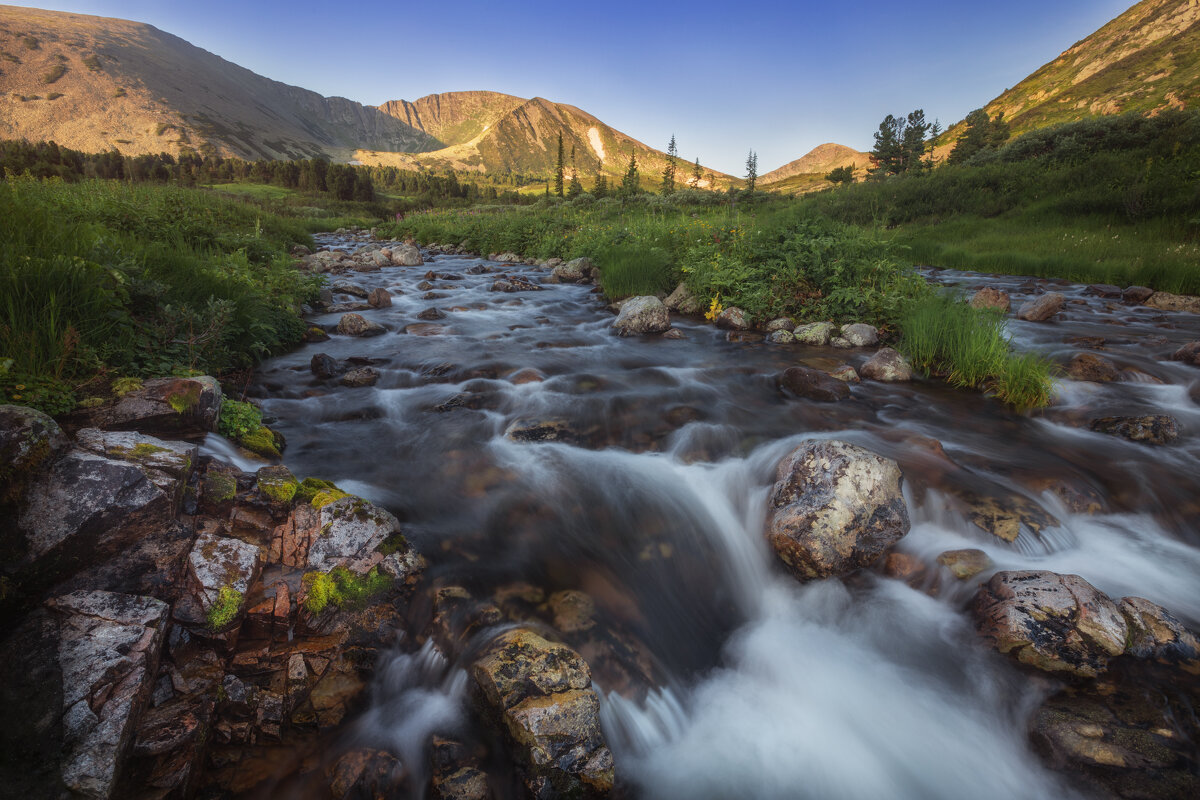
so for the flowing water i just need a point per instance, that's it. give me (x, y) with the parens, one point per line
(653, 500)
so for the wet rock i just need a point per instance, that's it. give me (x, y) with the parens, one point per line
(835, 507)
(405, 255)
(424, 329)
(359, 535)
(965, 564)
(733, 318)
(1136, 294)
(513, 283)
(357, 378)
(431, 314)
(1103, 290)
(1151, 429)
(424, 286)
(993, 298)
(641, 315)
(29, 440)
(781, 324)
(857, 334)
(541, 694)
(815, 333)
(1006, 517)
(172, 407)
(674, 333)
(379, 298)
(108, 651)
(781, 337)
(812, 384)
(323, 366)
(1155, 633)
(1188, 354)
(844, 373)
(744, 337)
(365, 774)
(345, 287)
(1091, 367)
(1055, 623)
(888, 366)
(578, 270)
(220, 571)
(683, 301)
(573, 611)
(357, 325)
(343, 308)
(1042, 308)
(544, 430)
(315, 334)
(1166, 301)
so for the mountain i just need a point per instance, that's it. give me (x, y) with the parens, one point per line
(497, 133)
(817, 162)
(1147, 59)
(93, 83)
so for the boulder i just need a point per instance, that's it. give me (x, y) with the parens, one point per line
(345, 287)
(540, 694)
(1041, 308)
(1166, 301)
(1136, 294)
(640, 315)
(431, 314)
(1188, 354)
(185, 408)
(406, 255)
(835, 507)
(108, 651)
(781, 324)
(683, 301)
(814, 333)
(888, 366)
(578, 270)
(1055, 623)
(358, 378)
(29, 440)
(812, 384)
(379, 298)
(357, 325)
(857, 334)
(359, 535)
(780, 337)
(844, 373)
(1091, 367)
(1103, 290)
(734, 319)
(965, 564)
(220, 571)
(991, 298)
(513, 283)
(1155, 633)
(1151, 429)
(324, 366)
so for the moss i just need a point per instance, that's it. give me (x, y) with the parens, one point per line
(145, 450)
(123, 386)
(261, 441)
(91, 402)
(277, 484)
(327, 496)
(219, 486)
(225, 610)
(186, 400)
(393, 544)
(309, 487)
(342, 588)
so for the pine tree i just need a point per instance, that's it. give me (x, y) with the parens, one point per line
(558, 169)
(631, 183)
(751, 171)
(888, 152)
(575, 188)
(982, 133)
(601, 188)
(668, 181)
(912, 141)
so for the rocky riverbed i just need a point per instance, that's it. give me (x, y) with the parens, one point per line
(522, 544)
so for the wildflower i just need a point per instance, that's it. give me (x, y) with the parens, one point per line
(714, 308)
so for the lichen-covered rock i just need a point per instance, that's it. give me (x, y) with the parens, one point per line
(379, 298)
(1151, 429)
(780, 337)
(185, 408)
(358, 378)
(639, 315)
(814, 333)
(1155, 633)
(161, 458)
(812, 384)
(109, 646)
(405, 255)
(857, 334)
(781, 324)
(845, 373)
(683, 301)
(358, 535)
(835, 507)
(1041, 308)
(887, 366)
(1165, 301)
(29, 440)
(1055, 623)
(733, 319)
(965, 564)
(991, 297)
(358, 325)
(1091, 367)
(1188, 354)
(540, 692)
(277, 484)
(577, 270)
(346, 287)
(221, 571)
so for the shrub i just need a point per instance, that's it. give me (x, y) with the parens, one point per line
(56, 72)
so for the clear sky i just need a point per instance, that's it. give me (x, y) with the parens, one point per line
(724, 77)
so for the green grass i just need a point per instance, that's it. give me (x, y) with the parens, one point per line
(258, 191)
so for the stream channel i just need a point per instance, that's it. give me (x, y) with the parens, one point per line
(740, 681)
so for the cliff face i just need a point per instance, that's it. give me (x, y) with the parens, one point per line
(93, 83)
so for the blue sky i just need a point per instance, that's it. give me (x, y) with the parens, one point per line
(724, 77)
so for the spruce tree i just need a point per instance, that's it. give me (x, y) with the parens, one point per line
(668, 178)
(601, 188)
(631, 183)
(697, 175)
(558, 169)
(751, 171)
(575, 188)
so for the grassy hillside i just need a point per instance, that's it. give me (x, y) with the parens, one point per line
(807, 173)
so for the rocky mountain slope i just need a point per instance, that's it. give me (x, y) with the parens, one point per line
(820, 160)
(94, 83)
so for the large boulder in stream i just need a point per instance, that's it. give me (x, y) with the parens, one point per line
(405, 255)
(1188, 354)
(1055, 623)
(1041, 308)
(540, 695)
(835, 507)
(577, 270)
(887, 366)
(640, 315)
(812, 384)
(358, 325)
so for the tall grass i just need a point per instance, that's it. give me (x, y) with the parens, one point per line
(967, 347)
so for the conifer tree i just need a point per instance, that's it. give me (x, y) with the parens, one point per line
(631, 183)
(751, 171)
(668, 178)
(575, 188)
(558, 169)
(697, 175)
(601, 188)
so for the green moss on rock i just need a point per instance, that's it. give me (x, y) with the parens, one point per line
(278, 484)
(225, 609)
(342, 588)
(219, 487)
(261, 441)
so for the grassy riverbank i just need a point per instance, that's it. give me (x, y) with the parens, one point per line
(104, 279)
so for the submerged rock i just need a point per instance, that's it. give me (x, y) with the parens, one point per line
(813, 384)
(835, 507)
(357, 325)
(965, 564)
(1042, 308)
(1091, 367)
(1151, 429)
(1055, 623)
(640, 315)
(887, 366)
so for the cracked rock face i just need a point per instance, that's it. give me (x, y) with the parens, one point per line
(351, 534)
(1055, 623)
(28, 440)
(108, 649)
(184, 407)
(835, 507)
